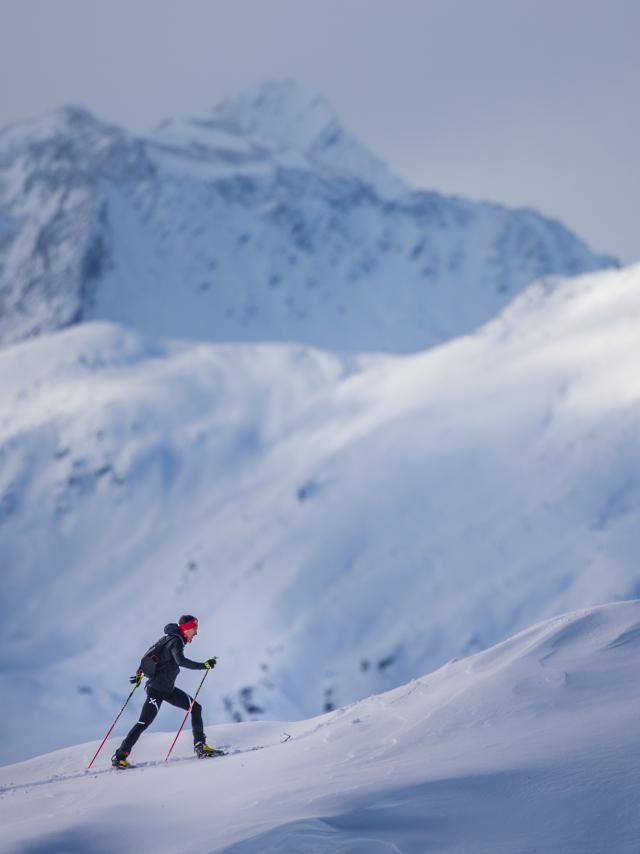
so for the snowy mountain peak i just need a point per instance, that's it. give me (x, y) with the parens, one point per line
(263, 221)
(283, 116)
(62, 150)
(75, 117)
(77, 124)
(281, 112)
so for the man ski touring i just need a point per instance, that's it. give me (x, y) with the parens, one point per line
(161, 664)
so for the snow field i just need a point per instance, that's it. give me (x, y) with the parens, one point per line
(529, 746)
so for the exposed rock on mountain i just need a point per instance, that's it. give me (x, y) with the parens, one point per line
(264, 220)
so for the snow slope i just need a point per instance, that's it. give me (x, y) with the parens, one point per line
(530, 746)
(262, 221)
(338, 524)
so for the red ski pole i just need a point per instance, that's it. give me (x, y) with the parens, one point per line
(187, 715)
(112, 726)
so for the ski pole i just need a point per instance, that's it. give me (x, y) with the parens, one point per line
(112, 726)
(186, 716)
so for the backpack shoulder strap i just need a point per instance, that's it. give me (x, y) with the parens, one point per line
(157, 645)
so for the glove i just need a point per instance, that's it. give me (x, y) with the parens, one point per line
(210, 663)
(137, 679)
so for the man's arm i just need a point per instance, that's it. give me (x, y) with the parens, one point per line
(181, 660)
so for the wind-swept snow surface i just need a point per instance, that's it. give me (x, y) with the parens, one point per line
(338, 525)
(532, 746)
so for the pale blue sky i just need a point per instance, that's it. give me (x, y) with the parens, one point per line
(527, 102)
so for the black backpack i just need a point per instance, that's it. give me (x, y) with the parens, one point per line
(149, 661)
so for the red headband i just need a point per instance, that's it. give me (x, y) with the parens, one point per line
(192, 624)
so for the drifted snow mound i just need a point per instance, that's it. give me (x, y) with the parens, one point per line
(530, 746)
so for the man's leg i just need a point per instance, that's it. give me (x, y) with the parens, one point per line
(178, 698)
(150, 709)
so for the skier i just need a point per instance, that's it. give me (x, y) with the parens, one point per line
(169, 658)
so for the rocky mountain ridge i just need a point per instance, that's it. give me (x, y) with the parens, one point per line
(264, 220)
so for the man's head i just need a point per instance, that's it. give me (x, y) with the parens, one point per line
(188, 625)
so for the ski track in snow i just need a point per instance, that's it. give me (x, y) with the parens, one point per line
(160, 763)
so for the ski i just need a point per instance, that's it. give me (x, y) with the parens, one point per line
(159, 762)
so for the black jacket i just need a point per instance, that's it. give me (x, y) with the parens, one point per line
(171, 659)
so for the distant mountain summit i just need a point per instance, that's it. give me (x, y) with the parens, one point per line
(287, 120)
(264, 220)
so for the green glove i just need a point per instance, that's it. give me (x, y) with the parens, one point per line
(210, 663)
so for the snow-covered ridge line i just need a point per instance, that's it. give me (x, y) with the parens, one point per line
(264, 220)
(531, 745)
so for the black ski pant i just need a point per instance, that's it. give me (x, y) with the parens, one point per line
(151, 708)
